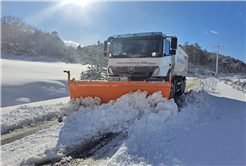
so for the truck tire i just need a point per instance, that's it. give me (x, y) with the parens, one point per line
(182, 87)
(184, 80)
(172, 91)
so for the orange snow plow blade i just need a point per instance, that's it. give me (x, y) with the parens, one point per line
(111, 90)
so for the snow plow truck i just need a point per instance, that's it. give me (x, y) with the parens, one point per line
(142, 61)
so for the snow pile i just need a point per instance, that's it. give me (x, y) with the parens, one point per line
(150, 137)
(237, 82)
(215, 87)
(202, 133)
(75, 104)
(146, 119)
(26, 115)
(209, 85)
(88, 123)
(116, 116)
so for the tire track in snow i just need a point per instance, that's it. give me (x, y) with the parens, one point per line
(21, 133)
(96, 149)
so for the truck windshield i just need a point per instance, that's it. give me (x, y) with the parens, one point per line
(135, 48)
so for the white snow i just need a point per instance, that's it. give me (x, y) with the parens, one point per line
(71, 43)
(18, 117)
(26, 81)
(210, 130)
(30, 58)
(84, 124)
(207, 129)
(237, 81)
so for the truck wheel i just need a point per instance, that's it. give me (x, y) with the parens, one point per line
(184, 83)
(182, 87)
(172, 91)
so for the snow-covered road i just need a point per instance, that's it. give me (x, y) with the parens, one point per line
(209, 128)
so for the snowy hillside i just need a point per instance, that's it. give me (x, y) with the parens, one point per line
(207, 129)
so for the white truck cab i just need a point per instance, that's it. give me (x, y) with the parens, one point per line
(151, 56)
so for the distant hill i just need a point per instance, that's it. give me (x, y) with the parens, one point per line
(202, 60)
(19, 38)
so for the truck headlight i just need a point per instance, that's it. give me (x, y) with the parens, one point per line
(154, 53)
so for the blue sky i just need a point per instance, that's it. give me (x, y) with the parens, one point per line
(207, 23)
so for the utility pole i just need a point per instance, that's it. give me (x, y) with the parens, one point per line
(217, 59)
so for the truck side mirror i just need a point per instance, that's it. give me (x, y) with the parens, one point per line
(173, 52)
(105, 48)
(174, 43)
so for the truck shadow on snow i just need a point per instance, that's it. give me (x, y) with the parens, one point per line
(33, 92)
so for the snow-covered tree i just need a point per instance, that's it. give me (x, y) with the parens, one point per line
(97, 69)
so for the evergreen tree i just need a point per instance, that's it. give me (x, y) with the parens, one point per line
(97, 69)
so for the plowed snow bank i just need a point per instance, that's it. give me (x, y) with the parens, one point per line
(85, 124)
